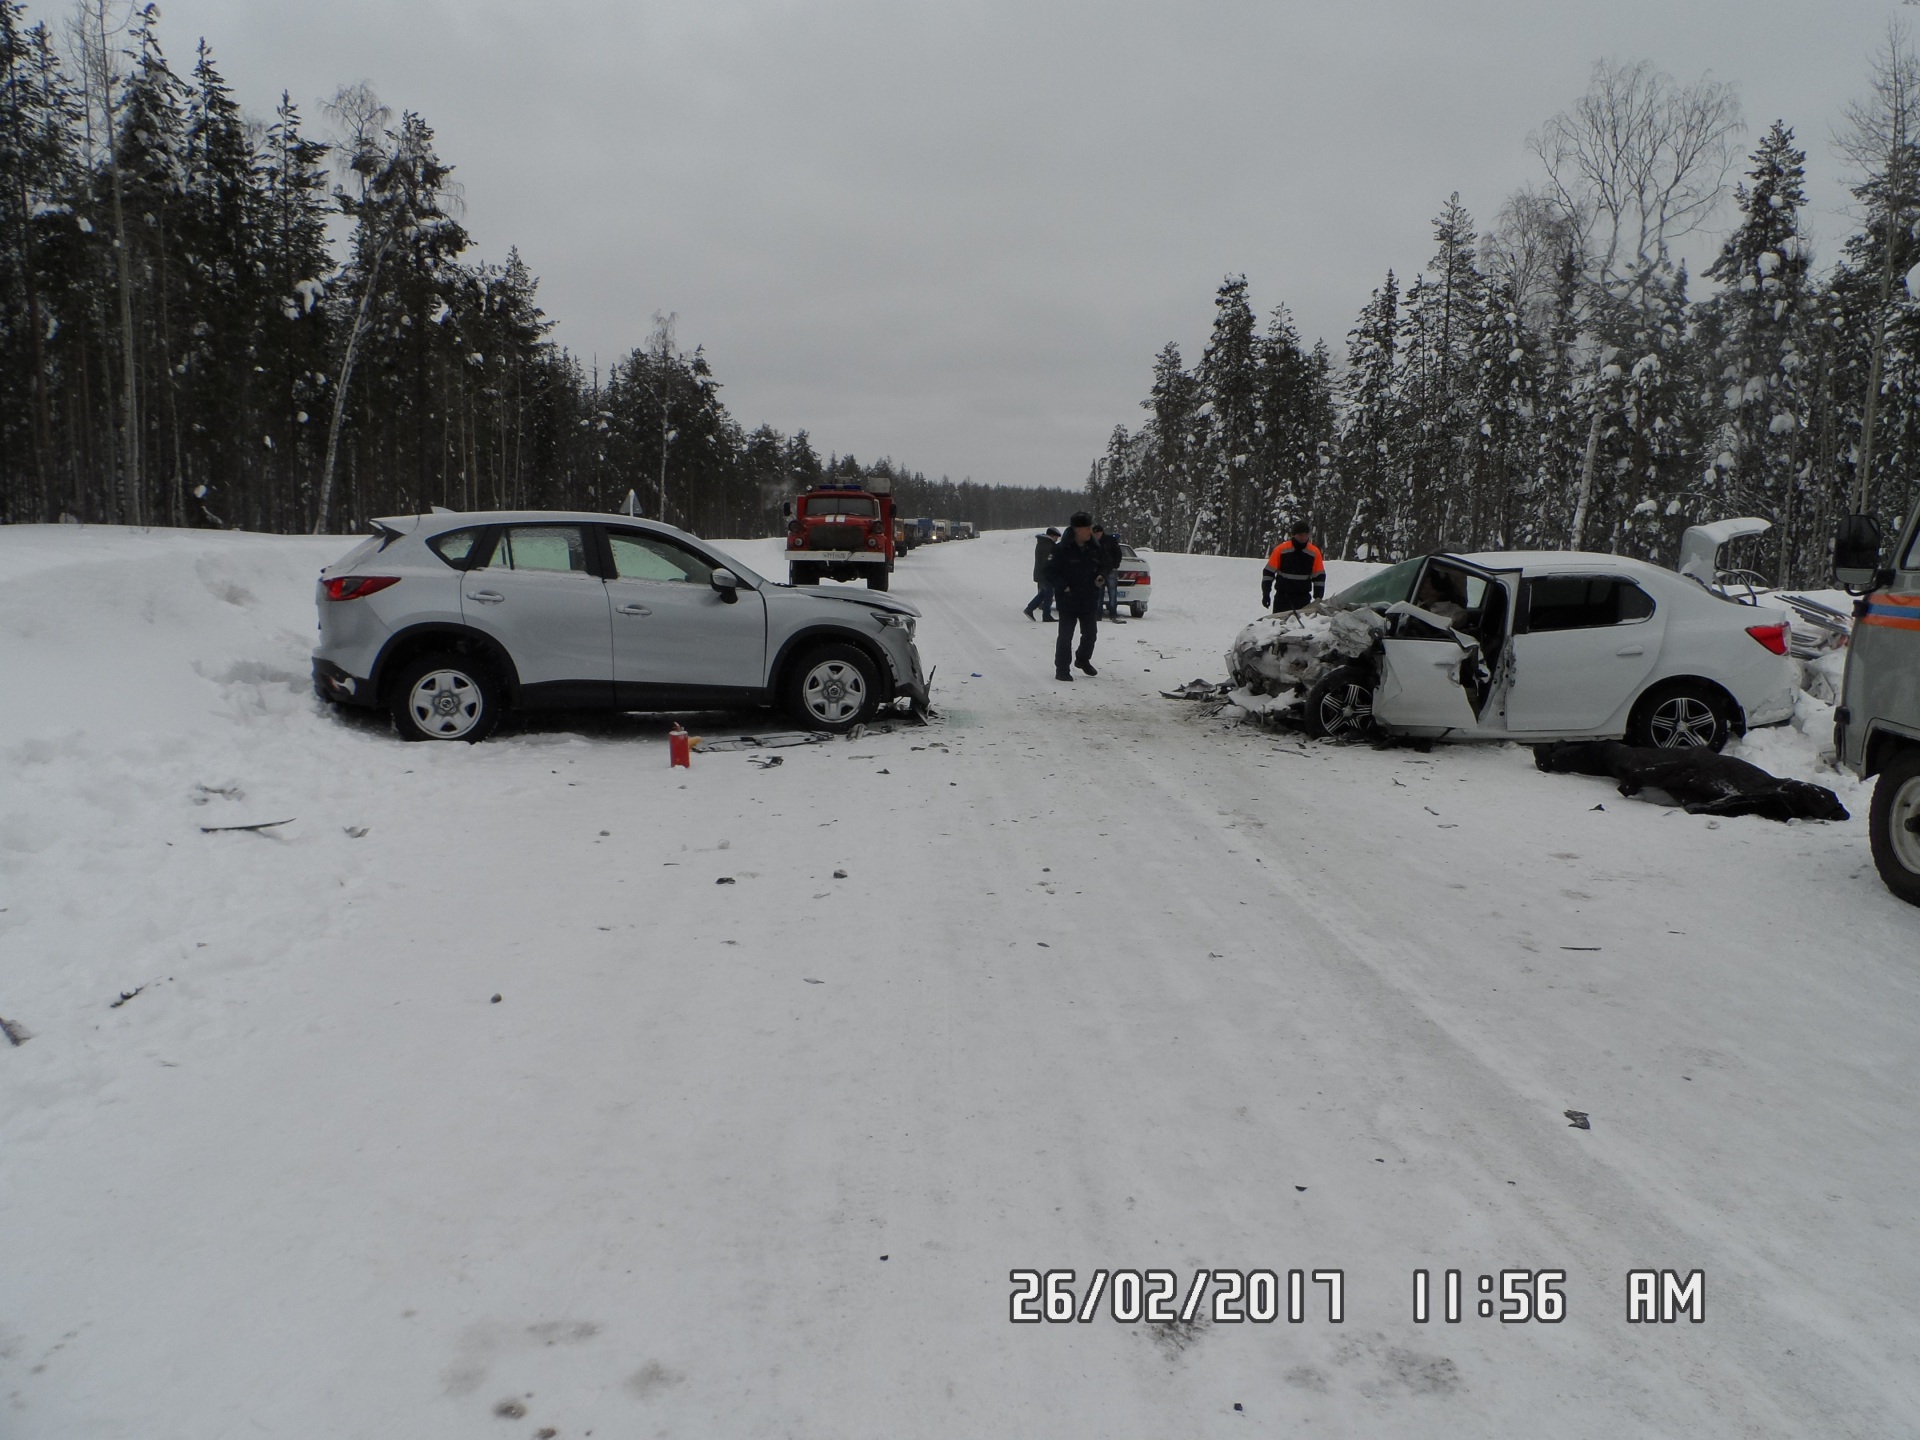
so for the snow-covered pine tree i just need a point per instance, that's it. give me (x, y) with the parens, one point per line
(220, 303)
(1441, 316)
(38, 161)
(1760, 369)
(1228, 519)
(1504, 450)
(290, 249)
(1368, 519)
(1294, 409)
(1175, 446)
(404, 240)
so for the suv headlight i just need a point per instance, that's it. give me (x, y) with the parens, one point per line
(890, 621)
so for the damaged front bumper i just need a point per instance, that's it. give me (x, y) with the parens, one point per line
(1277, 660)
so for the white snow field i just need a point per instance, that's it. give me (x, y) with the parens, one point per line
(1107, 985)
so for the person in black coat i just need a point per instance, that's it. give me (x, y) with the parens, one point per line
(1109, 544)
(1078, 570)
(1042, 553)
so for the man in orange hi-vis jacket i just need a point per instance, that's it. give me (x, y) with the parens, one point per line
(1296, 573)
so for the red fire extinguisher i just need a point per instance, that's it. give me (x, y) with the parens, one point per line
(679, 750)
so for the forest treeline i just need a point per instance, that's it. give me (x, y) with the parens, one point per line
(180, 344)
(1553, 382)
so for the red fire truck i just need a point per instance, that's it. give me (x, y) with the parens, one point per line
(841, 532)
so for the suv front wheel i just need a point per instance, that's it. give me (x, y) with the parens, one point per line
(1893, 824)
(832, 688)
(445, 697)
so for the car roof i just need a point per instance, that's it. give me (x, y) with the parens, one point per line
(440, 521)
(1558, 562)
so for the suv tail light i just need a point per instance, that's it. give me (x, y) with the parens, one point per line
(352, 587)
(1774, 637)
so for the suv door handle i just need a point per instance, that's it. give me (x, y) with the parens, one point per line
(632, 610)
(1631, 650)
(486, 597)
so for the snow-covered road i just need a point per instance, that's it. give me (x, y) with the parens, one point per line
(1106, 985)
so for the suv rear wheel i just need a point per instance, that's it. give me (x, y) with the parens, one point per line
(1893, 824)
(832, 688)
(446, 697)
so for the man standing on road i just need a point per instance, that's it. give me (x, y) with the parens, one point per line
(1077, 570)
(1296, 573)
(1042, 552)
(1110, 553)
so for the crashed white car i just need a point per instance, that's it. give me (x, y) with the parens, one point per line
(1525, 646)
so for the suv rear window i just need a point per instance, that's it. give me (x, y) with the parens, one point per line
(1584, 602)
(551, 548)
(456, 547)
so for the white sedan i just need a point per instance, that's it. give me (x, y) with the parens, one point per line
(1527, 646)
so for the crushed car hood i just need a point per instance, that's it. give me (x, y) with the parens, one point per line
(866, 599)
(1278, 653)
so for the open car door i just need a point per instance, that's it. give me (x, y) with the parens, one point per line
(1445, 657)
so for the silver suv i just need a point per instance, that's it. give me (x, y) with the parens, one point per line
(446, 620)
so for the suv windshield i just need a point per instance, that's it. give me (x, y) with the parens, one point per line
(1391, 584)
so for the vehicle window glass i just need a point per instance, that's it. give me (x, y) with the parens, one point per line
(1445, 585)
(653, 557)
(1912, 562)
(1391, 584)
(456, 547)
(1583, 602)
(842, 505)
(542, 547)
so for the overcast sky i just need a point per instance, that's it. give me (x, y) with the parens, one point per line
(957, 231)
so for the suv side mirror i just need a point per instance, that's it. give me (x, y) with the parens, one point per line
(1856, 552)
(727, 584)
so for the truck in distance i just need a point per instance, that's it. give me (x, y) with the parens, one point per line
(841, 532)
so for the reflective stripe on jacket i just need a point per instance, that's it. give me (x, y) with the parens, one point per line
(1297, 564)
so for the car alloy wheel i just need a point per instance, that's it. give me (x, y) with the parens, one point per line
(1346, 709)
(446, 704)
(1683, 722)
(1339, 705)
(834, 692)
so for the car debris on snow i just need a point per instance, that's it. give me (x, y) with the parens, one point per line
(761, 742)
(262, 825)
(16, 1033)
(1577, 1120)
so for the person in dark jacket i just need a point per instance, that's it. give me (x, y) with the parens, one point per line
(1043, 552)
(1077, 569)
(1110, 549)
(1296, 573)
